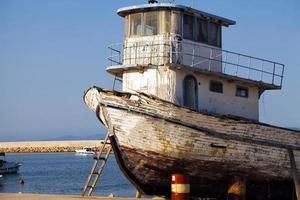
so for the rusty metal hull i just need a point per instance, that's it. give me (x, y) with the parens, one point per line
(154, 138)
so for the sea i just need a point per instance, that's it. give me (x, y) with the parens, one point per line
(63, 173)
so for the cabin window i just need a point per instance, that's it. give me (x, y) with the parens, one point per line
(214, 34)
(136, 24)
(188, 26)
(216, 86)
(176, 23)
(201, 31)
(190, 90)
(242, 92)
(166, 22)
(151, 23)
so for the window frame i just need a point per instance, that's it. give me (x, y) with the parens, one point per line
(211, 89)
(242, 88)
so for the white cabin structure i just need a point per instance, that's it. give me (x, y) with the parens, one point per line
(175, 53)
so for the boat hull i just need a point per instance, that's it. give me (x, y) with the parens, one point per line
(155, 139)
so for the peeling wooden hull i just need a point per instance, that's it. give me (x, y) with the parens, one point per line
(156, 138)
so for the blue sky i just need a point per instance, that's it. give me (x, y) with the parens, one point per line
(51, 51)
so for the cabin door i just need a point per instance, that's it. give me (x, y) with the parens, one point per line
(190, 92)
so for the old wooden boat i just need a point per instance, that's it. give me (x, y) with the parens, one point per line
(189, 106)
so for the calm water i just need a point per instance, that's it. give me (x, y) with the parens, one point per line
(63, 174)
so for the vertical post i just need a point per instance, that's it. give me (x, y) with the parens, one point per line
(237, 66)
(225, 62)
(237, 188)
(273, 73)
(249, 68)
(262, 70)
(180, 187)
(281, 75)
(193, 56)
(210, 57)
(295, 173)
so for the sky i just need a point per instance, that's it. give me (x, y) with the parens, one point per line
(51, 51)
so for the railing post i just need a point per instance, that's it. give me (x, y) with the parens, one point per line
(225, 63)
(262, 70)
(210, 57)
(273, 74)
(249, 68)
(281, 75)
(237, 66)
(111, 63)
(193, 56)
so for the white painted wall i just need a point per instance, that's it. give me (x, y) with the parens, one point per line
(220, 103)
(167, 84)
(155, 80)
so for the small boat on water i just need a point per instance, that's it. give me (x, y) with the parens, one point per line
(85, 151)
(8, 167)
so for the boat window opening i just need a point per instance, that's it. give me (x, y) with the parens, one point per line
(214, 34)
(201, 31)
(190, 92)
(216, 86)
(176, 22)
(136, 24)
(166, 22)
(242, 92)
(188, 26)
(151, 23)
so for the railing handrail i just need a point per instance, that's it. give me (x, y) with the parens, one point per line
(276, 69)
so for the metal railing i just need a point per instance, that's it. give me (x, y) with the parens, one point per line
(198, 56)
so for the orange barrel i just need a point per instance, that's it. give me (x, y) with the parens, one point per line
(180, 187)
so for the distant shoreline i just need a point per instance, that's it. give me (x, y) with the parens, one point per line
(48, 146)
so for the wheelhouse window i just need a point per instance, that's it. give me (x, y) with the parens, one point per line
(201, 31)
(216, 86)
(188, 26)
(136, 24)
(242, 92)
(151, 23)
(176, 22)
(190, 92)
(214, 37)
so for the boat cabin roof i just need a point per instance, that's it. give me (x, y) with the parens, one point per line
(169, 6)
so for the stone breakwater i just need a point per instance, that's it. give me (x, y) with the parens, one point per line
(48, 146)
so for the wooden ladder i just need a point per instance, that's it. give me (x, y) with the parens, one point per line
(97, 168)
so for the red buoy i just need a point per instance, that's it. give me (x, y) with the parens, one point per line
(180, 187)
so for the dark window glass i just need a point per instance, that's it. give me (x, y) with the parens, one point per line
(213, 34)
(242, 92)
(190, 96)
(216, 86)
(201, 32)
(188, 27)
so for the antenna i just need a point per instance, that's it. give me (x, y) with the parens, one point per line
(194, 4)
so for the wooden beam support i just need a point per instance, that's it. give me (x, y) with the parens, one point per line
(237, 188)
(294, 173)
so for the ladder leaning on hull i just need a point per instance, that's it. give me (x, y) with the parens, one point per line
(97, 168)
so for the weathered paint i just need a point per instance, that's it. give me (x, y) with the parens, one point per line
(158, 138)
